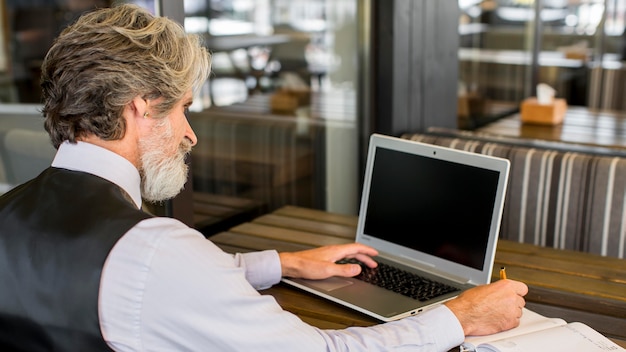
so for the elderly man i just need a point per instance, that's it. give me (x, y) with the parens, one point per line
(84, 269)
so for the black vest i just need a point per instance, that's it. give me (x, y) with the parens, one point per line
(56, 232)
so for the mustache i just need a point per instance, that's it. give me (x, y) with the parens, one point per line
(185, 147)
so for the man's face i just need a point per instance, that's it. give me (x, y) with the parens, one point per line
(162, 151)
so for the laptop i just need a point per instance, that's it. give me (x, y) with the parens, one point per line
(429, 210)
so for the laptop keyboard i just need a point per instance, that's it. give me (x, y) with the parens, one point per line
(401, 281)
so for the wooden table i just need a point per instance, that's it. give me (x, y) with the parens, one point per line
(581, 125)
(571, 285)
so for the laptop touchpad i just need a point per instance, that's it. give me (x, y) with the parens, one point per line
(329, 284)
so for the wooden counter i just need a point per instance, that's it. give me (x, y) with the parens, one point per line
(581, 125)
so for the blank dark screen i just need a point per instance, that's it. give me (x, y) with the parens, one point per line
(433, 206)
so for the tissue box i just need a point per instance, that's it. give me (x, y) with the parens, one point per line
(545, 114)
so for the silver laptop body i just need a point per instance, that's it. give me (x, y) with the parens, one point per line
(427, 209)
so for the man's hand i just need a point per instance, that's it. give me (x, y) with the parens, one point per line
(492, 308)
(319, 263)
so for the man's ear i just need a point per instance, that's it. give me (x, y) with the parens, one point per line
(139, 107)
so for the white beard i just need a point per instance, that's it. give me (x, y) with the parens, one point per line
(162, 176)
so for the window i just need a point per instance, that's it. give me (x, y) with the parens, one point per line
(278, 120)
(578, 48)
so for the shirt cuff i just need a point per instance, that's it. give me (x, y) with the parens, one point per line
(262, 268)
(443, 319)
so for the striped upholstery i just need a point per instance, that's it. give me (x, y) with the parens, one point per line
(556, 198)
(272, 161)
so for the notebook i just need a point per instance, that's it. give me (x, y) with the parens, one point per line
(429, 210)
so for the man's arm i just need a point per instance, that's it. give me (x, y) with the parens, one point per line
(265, 268)
(166, 287)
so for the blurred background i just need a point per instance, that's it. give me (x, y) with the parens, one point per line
(298, 85)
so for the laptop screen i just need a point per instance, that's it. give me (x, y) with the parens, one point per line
(430, 205)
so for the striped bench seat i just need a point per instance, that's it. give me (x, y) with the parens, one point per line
(560, 195)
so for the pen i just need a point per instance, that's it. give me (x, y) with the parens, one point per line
(502, 273)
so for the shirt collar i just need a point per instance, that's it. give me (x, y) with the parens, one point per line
(90, 158)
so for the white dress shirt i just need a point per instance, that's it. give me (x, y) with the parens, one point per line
(164, 287)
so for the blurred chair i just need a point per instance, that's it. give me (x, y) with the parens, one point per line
(26, 153)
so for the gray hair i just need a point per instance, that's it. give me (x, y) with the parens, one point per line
(108, 57)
